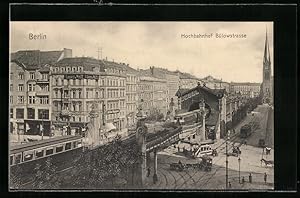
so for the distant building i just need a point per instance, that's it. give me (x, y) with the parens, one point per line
(152, 94)
(172, 80)
(30, 98)
(214, 83)
(132, 80)
(187, 81)
(247, 89)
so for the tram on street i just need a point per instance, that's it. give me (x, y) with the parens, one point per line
(245, 131)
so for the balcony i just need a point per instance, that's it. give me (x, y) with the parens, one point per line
(65, 112)
(42, 93)
(43, 80)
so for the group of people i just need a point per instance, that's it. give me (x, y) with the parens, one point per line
(250, 179)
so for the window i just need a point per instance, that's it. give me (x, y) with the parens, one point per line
(87, 94)
(18, 158)
(39, 153)
(19, 113)
(11, 99)
(74, 144)
(29, 87)
(30, 113)
(11, 87)
(45, 87)
(44, 100)
(11, 160)
(49, 151)
(31, 99)
(79, 94)
(20, 87)
(68, 146)
(28, 156)
(43, 114)
(32, 75)
(45, 76)
(11, 113)
(59, 149)
(20, 99)
(21, 76)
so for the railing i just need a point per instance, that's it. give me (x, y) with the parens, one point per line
(42, 80)
(170, 137)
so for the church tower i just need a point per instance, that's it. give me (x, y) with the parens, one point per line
(266, 88)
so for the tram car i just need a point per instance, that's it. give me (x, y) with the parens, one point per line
(61, 150)
(245, 131)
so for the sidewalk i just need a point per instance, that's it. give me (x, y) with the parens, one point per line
(257, 182)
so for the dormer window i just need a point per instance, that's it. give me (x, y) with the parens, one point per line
(74, 69)
(69, 69)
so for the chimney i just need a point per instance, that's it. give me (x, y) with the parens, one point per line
(152, 70)
(67, 53)
(198, 83)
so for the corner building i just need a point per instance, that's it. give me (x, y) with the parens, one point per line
(78, 83)
(29, 92)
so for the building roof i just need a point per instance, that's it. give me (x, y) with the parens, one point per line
(244, 84)
(87, 63)
(216, 92)
(149, 78)
(129, 69)
(211, 79)
(181, 91)
(35, 59)
(183, 75)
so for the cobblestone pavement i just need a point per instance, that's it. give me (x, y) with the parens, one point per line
(215, 179)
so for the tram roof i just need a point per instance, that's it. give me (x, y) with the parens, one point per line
(42, 143)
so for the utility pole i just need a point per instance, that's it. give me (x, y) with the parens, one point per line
(227, 160)
(99, 51)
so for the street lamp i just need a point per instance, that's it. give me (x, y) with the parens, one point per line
(227, 138)
(239, 160)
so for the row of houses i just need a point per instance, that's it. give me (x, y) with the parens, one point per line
(55, 89)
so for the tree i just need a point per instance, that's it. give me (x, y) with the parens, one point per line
(15, 178)
(45, 175)
(38, 180)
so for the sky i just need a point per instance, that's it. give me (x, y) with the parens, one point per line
(159, 44)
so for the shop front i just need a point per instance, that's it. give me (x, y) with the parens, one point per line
(36, 127)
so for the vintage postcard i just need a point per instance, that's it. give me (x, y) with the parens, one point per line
(141, 105)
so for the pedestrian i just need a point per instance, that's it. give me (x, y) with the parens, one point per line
(148, 172)
(243, 180)
(155, 178)
(265, 178)
(229, 184)
(250, 178)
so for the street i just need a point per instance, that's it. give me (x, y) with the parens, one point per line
(250, 161)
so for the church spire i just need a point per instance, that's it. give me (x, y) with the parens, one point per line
(267, 51)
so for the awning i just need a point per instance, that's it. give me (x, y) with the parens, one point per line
(109, 126)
